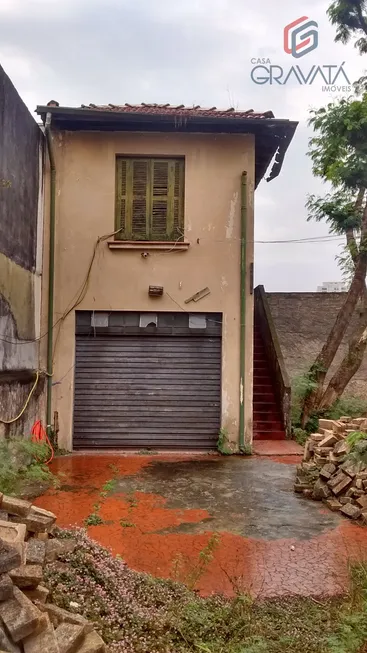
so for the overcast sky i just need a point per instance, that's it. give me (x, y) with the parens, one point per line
(189, 52)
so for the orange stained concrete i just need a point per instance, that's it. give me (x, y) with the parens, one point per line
(314, 566)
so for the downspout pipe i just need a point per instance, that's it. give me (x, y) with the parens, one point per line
(243, 308)
(51, 273)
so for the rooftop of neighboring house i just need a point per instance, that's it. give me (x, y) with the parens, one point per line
(272, 135)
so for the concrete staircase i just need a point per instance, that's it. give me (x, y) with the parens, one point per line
(268, 423)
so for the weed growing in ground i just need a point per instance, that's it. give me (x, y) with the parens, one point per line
(147, 452)
(357, 442)
(222, 443)
(94, 519)
(108, 487)
(132, 503)
(127, 524)
(23, 468)
(114, 469)
(190, 573)
(348, 405)
(136, 613)
(300, 435)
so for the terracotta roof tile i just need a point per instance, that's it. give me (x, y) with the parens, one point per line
(179, 110)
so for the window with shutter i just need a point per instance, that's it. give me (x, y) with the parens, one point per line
(149, 199)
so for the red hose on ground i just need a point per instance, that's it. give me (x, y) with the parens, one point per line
(38, 434)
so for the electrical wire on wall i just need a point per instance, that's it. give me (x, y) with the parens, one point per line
(80, 296)
(15, 419)
(81, 293)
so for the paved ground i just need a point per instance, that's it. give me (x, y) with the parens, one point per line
(164, 510)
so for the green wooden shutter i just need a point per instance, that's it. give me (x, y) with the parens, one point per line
(160, 190)
(167, 199)
(140, 201)
(178, 207)
(149, 198)
(120, 221)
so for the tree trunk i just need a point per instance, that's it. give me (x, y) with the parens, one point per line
(326, 356)
(351, 361)
(321, 365)
(347, 369)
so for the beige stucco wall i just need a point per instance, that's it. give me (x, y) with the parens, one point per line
(119, 280)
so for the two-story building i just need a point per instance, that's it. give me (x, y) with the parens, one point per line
(148, 272)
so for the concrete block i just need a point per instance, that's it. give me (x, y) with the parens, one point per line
(10, 558)
(37, 523)
(15, 506)
(343, 485)
(27, 576)
(36, 552)
(351, 511)
(69, 637)
(339, 483)
(333, 504)
(40, 594)
(320, 490)
(35, 510)
(43, 642)
(345, 500)
(362, 502)
(6, 587)
(327, 471)
(328, 441)
(328, 424)
(341, 448)
(42, 536)
(12, 533)
(92, 643)
(6, 645)
(19, 615)
(59, 616)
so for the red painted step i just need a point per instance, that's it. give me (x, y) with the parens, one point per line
(267, 417)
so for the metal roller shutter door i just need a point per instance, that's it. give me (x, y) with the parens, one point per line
(143, 392)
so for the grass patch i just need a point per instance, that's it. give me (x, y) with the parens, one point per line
(137, 613)
(300, 436)
(23, 471)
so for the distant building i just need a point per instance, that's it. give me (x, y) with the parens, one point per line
(333, 286)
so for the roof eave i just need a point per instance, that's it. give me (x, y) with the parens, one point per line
(276, 133)
(85, 115)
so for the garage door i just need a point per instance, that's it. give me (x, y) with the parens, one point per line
(147, 391)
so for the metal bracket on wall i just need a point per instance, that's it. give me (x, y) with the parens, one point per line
(199, 295)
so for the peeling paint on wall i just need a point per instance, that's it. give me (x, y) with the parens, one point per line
(231, 216)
